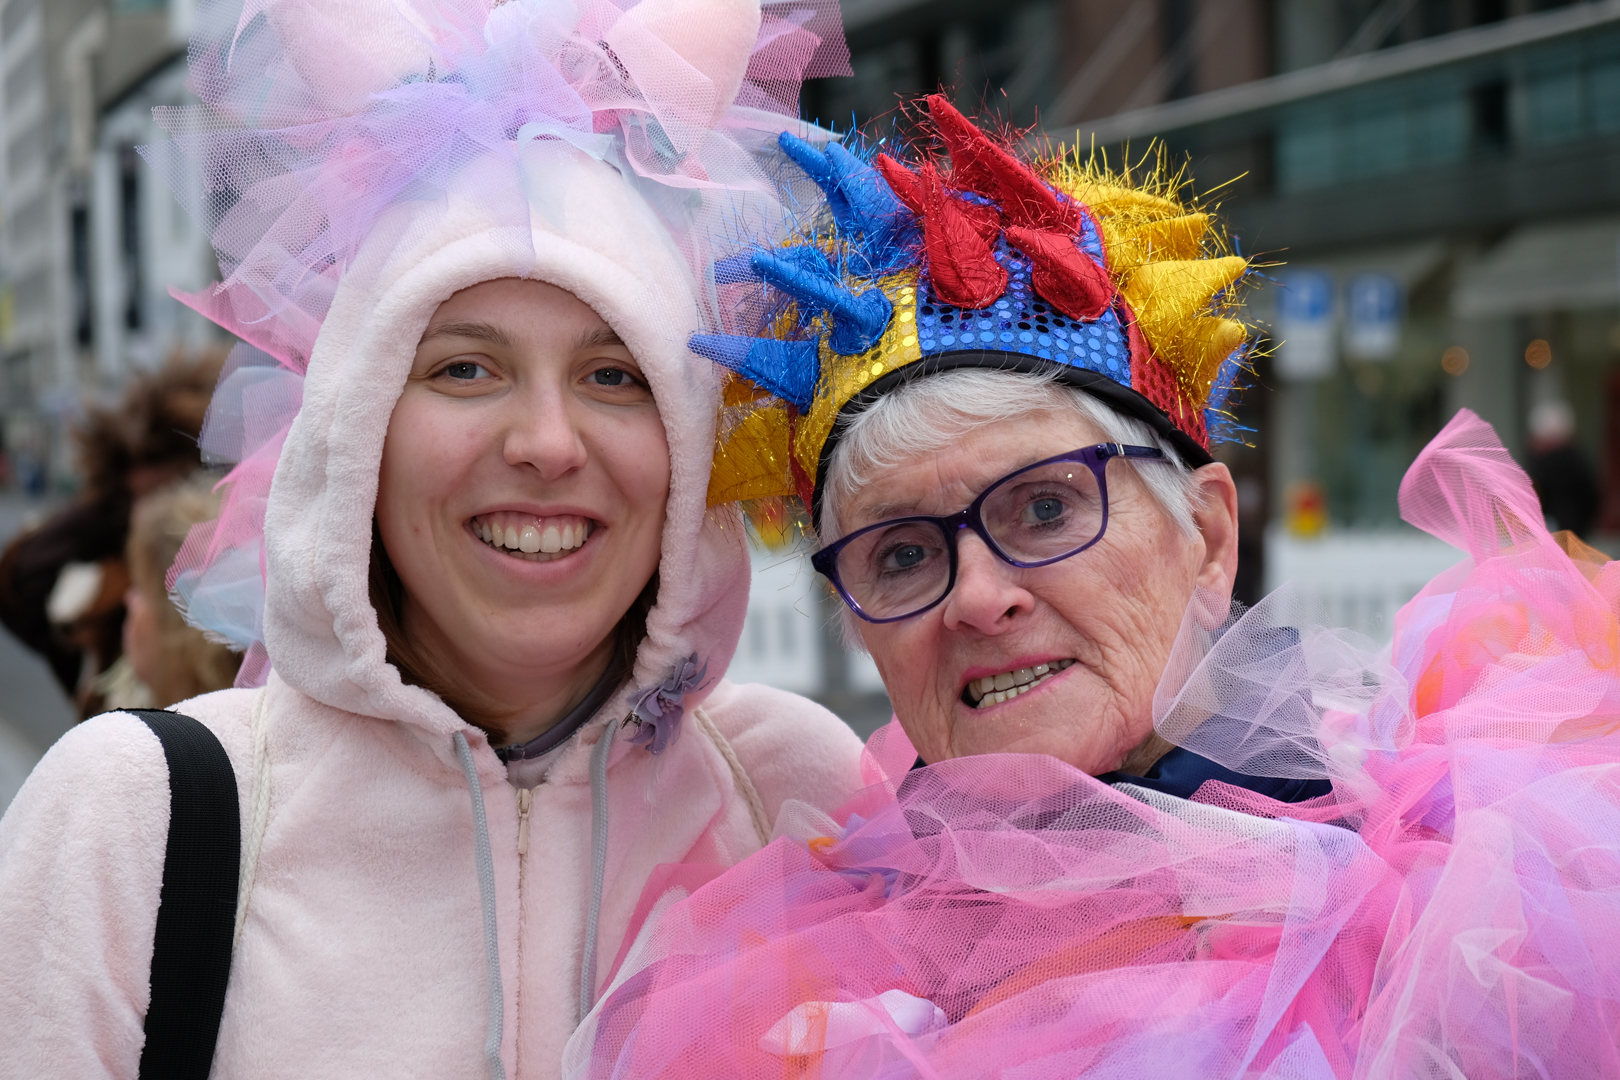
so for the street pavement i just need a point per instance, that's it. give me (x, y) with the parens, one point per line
(34, 712)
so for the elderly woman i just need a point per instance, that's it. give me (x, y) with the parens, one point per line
(1121, 831)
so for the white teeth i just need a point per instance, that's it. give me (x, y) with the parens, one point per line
(538, 539)
(994, 689)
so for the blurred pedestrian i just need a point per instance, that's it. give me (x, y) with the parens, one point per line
(62, 583)
(1562, 476)
(165, 660)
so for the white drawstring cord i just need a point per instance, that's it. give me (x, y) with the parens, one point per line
(486, 891)
(599, 843)
(258, 811)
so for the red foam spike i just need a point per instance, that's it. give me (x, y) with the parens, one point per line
(909, 188)
(980, 165)
(986, 220)
(958, 236)
(1064, 276)
(961, 261)
(1027, 200)
(902, 181)
(966, 144)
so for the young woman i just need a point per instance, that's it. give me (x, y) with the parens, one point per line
(496, 608)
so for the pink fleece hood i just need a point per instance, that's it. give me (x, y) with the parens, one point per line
(419, 148)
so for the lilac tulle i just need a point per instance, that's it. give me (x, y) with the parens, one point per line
(319, 118)
(1449, 910)
(659, 710)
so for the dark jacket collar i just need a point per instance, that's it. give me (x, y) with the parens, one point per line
(1182, 772)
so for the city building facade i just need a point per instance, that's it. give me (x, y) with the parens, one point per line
(90, 240)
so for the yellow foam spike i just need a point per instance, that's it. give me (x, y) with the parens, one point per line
(1172, 300)
(752, 462)
(1107, 198)
(1181, 287)
(1210, 342)
(1166, 238)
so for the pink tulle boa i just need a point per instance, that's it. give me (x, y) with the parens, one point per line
(321, 117)
(1450, 910)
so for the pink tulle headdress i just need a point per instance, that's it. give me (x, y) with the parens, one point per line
(319, 119)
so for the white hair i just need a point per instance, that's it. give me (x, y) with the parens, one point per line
(935, 412)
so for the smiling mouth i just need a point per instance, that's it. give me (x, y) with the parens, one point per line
(532, 539)
(994, 689)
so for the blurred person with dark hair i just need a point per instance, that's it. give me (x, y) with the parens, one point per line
(62, 584)
(1563, 478)
(165, 660)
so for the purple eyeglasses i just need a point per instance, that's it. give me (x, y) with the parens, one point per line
(1040, 514)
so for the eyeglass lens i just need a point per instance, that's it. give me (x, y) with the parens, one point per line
(1037, 515)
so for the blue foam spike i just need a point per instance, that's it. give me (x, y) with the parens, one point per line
(1222, 427)
(804, 273)
(727, 350)
(788, 369)
(735, 269)
(866, 211)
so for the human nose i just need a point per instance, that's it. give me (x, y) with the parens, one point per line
(987, 596)
(543, 433)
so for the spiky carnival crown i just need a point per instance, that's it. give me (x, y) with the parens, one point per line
(1048, 265)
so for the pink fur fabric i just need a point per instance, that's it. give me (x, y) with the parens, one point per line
(362, 953)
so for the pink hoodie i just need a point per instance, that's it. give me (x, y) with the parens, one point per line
(363, 921)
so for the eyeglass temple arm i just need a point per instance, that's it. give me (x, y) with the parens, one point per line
(1121, 450)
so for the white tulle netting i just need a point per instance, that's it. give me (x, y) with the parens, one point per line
(320, 118)
(1448, 910)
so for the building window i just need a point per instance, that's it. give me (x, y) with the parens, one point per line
(129, 235)
(79, 226)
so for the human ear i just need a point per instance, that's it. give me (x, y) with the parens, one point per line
(1215, 513)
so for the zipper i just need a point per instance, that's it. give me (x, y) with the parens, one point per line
(525, 798)
(525, 802)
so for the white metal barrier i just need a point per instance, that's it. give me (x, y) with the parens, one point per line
(784, 635)
(1356, 579)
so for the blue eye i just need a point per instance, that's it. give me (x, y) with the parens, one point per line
(465, 370)
(1046, 509)
(609, 377)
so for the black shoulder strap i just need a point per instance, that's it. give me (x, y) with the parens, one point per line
(191, 954)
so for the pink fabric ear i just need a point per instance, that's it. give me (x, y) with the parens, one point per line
(344, 51)
(716, 37)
